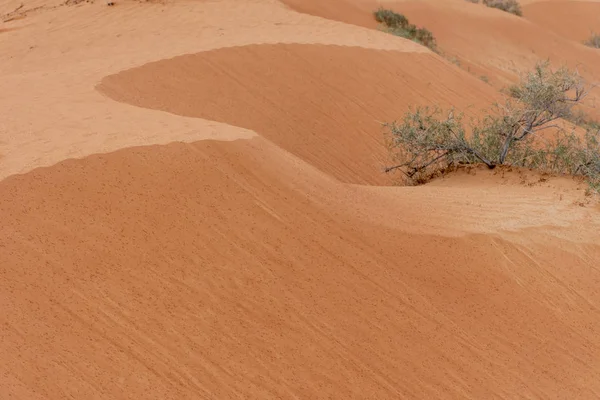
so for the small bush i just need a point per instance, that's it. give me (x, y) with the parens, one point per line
(593, 41)
(428, 142)
(390, 18)
(580, 119)
(513, 91)
(425, 37)
(397, 24)
(454, 60)
(511, 6)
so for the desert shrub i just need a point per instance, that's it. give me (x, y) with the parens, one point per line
(580, 119)
(512, 91)
(397, 24)
(511, 6)
(428, 142)
(589, 159)
(425, 37)
(593, 41)
(390, 18)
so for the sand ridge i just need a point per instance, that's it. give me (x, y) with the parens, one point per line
(43, 59)
(192, 206)
(326, 120)
(246, 284)
(490, 43)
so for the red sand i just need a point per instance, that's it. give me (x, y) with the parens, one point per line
(190, 271)
(488, 42)
(237, 254)
(575, 20)
(324, 104)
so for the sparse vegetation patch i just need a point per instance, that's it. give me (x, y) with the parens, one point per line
(511, 6)
(397, 24)
(593, 41)
(429, 142)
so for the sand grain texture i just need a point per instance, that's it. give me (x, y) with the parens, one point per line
(243, 285)
(192, 206)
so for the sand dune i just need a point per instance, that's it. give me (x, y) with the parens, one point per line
(570, 19)
(58, 56)
(490, 43)
(324, 104)
(349, 11)
(245, 284)
(251, 248)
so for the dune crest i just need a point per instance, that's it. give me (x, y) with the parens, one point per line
(306, 99)
(490, 43)
(58, 56)
(193, 207)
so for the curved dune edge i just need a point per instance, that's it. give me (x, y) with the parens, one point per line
(247, 268)
(210, 270)
(502, 45)
(60, 69)
(490, 43)
(353, 12)
(306, 98)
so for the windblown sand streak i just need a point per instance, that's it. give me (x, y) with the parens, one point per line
(193, 206)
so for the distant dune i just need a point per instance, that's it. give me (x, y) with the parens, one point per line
(193, 206)
(489, 42)
(570, 19)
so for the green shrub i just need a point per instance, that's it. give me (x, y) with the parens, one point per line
(580, 119)
(425, 37)
(513, 91)
(390, 18)
(428, 142)
(593, 41)
(397, 24)
(511, 6)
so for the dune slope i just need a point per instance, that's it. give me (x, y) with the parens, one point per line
(244, 284)
(488, 42)
(322, 103)
(575, 20)
(250, 248)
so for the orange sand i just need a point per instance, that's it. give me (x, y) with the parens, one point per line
(192, 206)
(324, 104)
(575, 20)
(488, 42)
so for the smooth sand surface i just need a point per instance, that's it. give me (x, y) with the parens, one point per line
(324, 104)
(575, 20)
(193, 206)
(487, 42)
